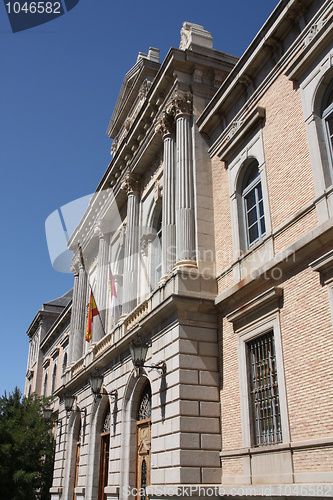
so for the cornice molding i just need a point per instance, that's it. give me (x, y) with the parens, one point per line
(227, 143)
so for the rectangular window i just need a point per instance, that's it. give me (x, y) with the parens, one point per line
(264, 393)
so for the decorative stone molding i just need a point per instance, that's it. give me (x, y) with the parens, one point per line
(114, 146)
(233, 128)
(99, 229)
(144, 241)
(144, 89)
(165, 125)
(180, 104)
(197, 76)
(157, 191)
(314, 30)
(75, 266)
(131, 184)
(122, 234)
(194, 34)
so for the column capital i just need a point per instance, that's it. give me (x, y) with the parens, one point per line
(165, 125)
(75, 266)
(131, 184)
(180, 103)
(99, 229)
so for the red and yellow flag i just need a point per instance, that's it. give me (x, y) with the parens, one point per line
(92, 311)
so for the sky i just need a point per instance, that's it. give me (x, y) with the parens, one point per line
(59, 84)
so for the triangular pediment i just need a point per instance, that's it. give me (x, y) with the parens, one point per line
(143, 71)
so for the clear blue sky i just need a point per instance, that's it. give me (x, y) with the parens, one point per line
(59, 84)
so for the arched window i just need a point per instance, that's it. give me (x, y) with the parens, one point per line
(54, 379)
(158, 259)
(253, 205)
(143, 462)
(64, 362)
(45, 385)
(327, 116)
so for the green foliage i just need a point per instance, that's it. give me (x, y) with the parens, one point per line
(26, 448)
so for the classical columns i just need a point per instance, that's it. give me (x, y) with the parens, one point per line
(75, 271)
(181, 107)
(101, 283)
(79, 314)
(166, 128)
(130, 283)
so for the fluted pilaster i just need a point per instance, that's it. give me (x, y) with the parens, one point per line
(166, 128)
(80, 317)
(74, 270)
(132, 187)
(181, 107)
(101, 284)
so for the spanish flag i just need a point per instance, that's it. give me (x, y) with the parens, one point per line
(92, 311)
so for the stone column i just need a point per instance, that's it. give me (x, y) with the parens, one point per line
(132, 187)
(80, 315)
(101, 284)
(181, 107)
(75, 271)
(166, 128)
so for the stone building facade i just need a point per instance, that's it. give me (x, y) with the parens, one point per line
(213, 224)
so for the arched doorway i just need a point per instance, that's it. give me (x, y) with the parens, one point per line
(143, 459)
(104, 454)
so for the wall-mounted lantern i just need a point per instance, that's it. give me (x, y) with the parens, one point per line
(138, 350)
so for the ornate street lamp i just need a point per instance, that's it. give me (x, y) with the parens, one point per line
(69, 401)
(96, 382)
(47, 414)
(138, 350)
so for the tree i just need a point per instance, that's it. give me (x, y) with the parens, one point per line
(26, 448)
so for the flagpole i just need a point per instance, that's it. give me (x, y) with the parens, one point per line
(91, 290)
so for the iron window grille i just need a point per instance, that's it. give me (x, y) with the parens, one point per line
(264, 393)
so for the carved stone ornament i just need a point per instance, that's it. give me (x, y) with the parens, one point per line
(144, 245)
(99, 229)
(131, 184)
(114, 146)
(122, 234)
(234, 127)
(157, 191)
(314, 30)
(181, 103)
(165, 125)
(75, 266)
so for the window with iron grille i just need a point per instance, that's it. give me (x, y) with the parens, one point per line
(264, 392)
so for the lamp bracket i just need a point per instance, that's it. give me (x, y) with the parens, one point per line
(161, 367)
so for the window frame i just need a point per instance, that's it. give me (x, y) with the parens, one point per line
(54, 379)
(253, 150)
(255, 330)
(265, 429)
(253, 186)
(327, 112)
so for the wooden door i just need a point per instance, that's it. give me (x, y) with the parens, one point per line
(143, 443)
(77, 463)
(104, 455)
(143, 457)
(103, 465)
